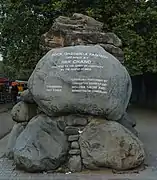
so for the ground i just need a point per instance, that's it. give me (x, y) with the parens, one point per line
(146, 125)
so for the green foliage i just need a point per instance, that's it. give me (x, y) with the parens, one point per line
(138, 31)
(20, 32)
(24, 21)
(135, 22)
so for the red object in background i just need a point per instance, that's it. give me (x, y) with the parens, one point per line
(14, 83)
(4, 80)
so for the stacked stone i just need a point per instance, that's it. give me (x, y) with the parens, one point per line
(73, 126)
(81, 30)
(59, 123)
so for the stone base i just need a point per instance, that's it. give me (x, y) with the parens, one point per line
(92, 143)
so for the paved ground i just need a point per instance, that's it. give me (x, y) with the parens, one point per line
(146, 125)
(5, 107)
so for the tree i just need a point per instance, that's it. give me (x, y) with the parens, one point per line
(135, 23)
(23, 23)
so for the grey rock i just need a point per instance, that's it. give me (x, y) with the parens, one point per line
(69, 130)
(131, 120)
(75, 164)
(74, 152)
(78, 21)
(75, 145)
(16, 131)
(60, 94)
(73, 138)
(23, 112)
(115, 51)
(76, 120)
(80, 30)
(61, 123)
(128, 122)
(108, 144)
(27, 97)
(41, 146)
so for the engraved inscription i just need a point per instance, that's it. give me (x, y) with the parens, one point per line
(53, 88)
(78, 61)
(89, 85)
(73, 61)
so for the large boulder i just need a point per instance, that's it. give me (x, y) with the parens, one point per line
(81, 30)
(41, 146)
(23, 112)
(109, 144)
(81, 79)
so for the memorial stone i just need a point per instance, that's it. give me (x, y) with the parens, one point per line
(75, 94)
(81, 79)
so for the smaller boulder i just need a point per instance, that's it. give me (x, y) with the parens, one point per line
(27, 97)
(110, 145)
(41, 146)
(23, 112)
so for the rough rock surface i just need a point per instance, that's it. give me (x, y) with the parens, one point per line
(75, 164)
(96, 85)
(73, 138)
(74, 152)
(108, 144)
(23, 112)
(76, 120)
(81, 30)
(61, 123)
(27, 97)
(75, 145)
(16, 131)
(128, 122)
(41, 146)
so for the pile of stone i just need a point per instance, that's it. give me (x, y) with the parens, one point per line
(81, 30)
(73, 114)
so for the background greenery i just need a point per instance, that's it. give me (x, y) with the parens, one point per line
(24, 21)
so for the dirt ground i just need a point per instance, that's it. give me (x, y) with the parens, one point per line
(146, 125)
